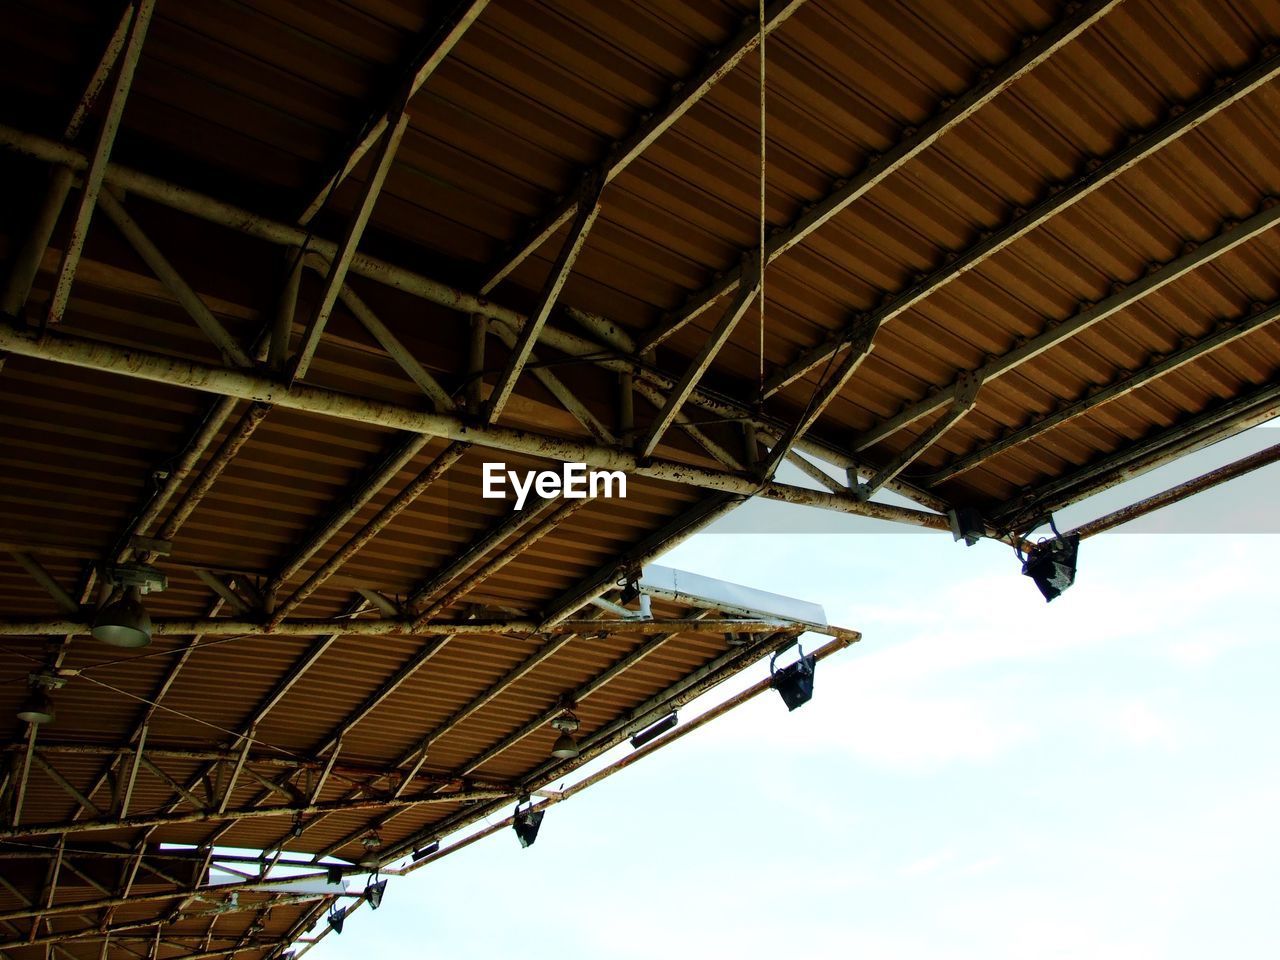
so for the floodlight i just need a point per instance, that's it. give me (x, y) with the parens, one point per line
(123, 622)
(334, 874)
(373, 893)
(38, 707)
(653, 731)
(794, 682)
(1052, 564)
(336, 917)
(526, 824)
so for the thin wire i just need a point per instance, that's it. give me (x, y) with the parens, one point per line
(763, 160)
(193, 719)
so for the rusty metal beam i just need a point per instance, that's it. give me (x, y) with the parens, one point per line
(745, 296)
(414, 489)
(340, 262)
(1180, 492)
(1033, 51)
(963, 401)
(97, 168)
(436, 47)
(26, 264)
(1097, 174)
(1230, 236)
(78, 351)
(240, 814)
(165, 272)
(588, 209)
(685, 94)
(1220, 421)
(1226, 332)
(255, 225)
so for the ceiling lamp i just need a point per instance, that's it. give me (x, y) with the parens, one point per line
(566, 745)
(794, 683)
(1052, 563)
(123, 622)
(526, 823)
(38, 706)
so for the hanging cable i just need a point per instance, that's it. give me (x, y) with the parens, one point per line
(763, 154)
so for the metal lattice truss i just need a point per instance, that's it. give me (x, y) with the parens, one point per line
(105, 877)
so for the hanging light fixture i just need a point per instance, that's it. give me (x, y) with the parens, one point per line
(374, 891)
(336, 917)
(794, 682)
(123, 621)
(372, 843)
(526, 822)
(566, 745)
(38, 706)
(1052, 563)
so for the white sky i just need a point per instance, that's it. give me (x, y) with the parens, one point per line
(983, 776)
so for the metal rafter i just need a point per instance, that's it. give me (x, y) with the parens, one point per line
(102, 356)
(1058, 197)
(96, 171)
(963, 401)
(26, 264)
(436, 47)
(255, 225)
(685, 94)
(340, 262)
(1180, 492)
(1226, 332)
(588, 210)
(1256, 406)
(1230, 236)
(745, 296)
(1031, 52)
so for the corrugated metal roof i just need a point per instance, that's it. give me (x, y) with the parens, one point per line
(257, 104)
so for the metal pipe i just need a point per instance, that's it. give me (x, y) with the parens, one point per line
(76, 351)
(1181, 491)
(227, 627)
(245, 222)
(246, 813)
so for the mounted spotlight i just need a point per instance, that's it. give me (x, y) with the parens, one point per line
(374, 891)
(794, 683)
(423, 852)
(527, 822)
(653, 731)
(334, 874)
(1052, 563)
(566, 745)
(123, 622)
(630, 589)
(38, 706)
(336, 917)
(967, 524)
